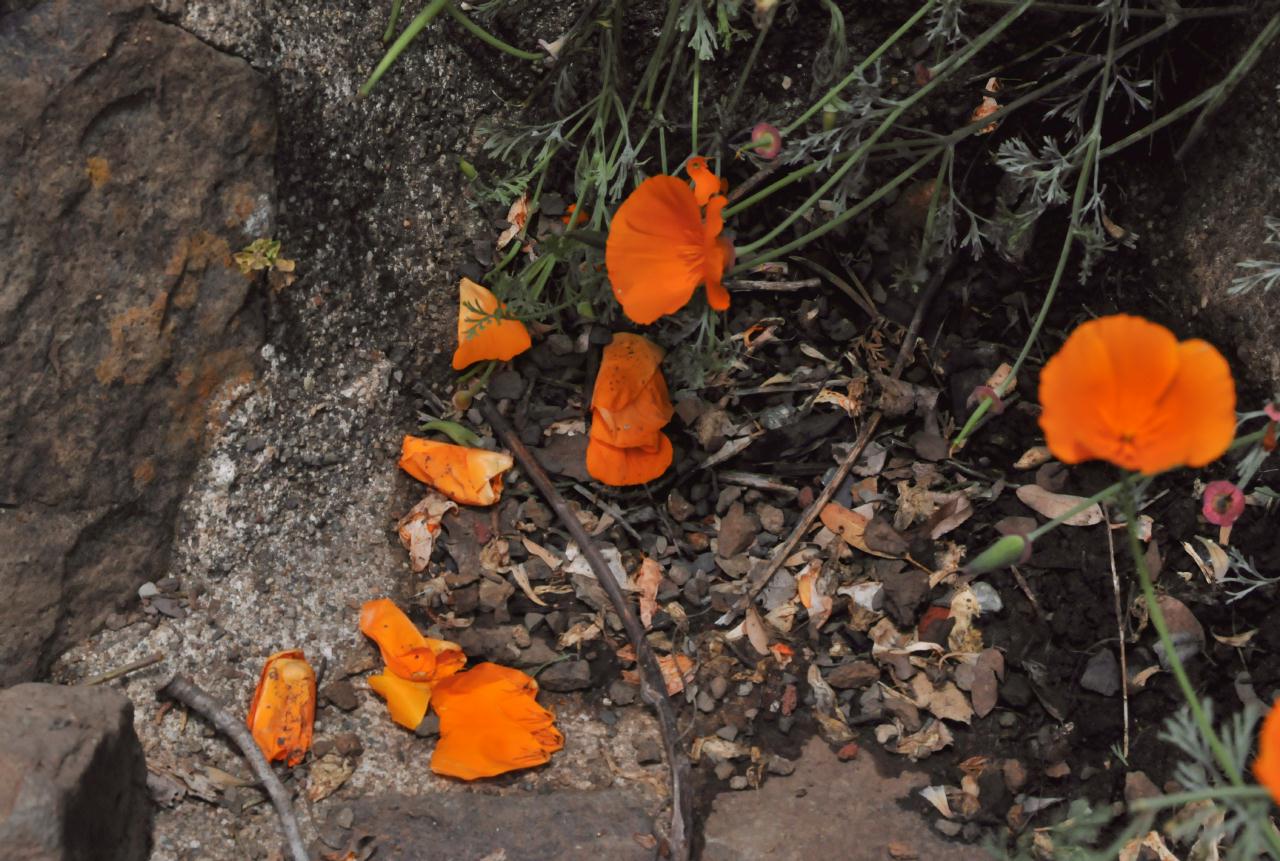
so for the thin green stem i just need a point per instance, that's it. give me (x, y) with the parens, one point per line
(423, 18)
(1148, 130)
(861, 67)
(1101, 496)
(650, 77)
(693, 125)
(727, 118)
(1177, 799)
(954, 63)
(392, 21)
(488, 38)
(1134, 11)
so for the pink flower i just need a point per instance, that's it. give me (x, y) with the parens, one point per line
(766, 141)
(1273, 411)
(1223, 503)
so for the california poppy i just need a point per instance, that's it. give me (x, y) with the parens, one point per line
(283, 712)
(662, 245)
(1266, 768)
(482, 333)
(405, 651)
(629, 405)
(471, 476)
(1125, 390)
(491, 723)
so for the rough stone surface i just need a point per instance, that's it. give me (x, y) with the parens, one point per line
(134, 161)
(572, 826)
(73, 780)
(745, 826)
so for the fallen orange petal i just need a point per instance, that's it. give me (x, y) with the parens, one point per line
(491, 723)
(283, 712)
(481, 334)
(471, 476)
(1123, 389)
(621, 467)
(626, 366)
(1266, 768)
(406, 700)
(657, 249)
(405, 651)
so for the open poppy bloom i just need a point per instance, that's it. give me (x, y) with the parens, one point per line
(665, 241)
(283, 712)
(1266, 768)
(491, 723)
(471, 476)
(1125, 390)
(629, 406)
(482, 335)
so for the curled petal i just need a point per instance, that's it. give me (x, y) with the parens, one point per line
(491, 723)
(283, 712)
(627, 365)
(655, 249)
(626, 466)
(471, 476)
(1223, 503)
(405, 651)
(406, 701)
(705, 183)
(482, 335)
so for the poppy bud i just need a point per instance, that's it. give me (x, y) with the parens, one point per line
(1007, 551)
(829, 117)
(766, 140)
(467, 168)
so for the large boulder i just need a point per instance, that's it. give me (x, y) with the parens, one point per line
(134, 162)
(73, 779)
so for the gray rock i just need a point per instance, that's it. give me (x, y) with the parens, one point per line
(724, 770)
(1102, 674)
(737, 530)
(537, 654)
(429, 727)
(648, 751)
(780, 766)
(704, 701)
(719, 686)
(74, 779)
(738, 782)
(572, 675)
(1138, 786)
(508, 384)
(622, 693)
(115, 346)
(771, 517)
(728, 732)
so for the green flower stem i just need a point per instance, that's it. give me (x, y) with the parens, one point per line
(1148, 130)
(488, 38)
(391, 23)
(1177, 799)
(425, 17)
(1210, 735)
(1101, 496)
(727, 116)
(693, 130)
(1136, 12)
(957, 61)
(861, 67)
(650, 78)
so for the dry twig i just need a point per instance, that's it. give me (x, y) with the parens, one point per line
(185, 691)
(111, 675)
(653, 689)
(1124, 662)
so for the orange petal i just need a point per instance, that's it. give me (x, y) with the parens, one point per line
(638, 423)
(481, 337)
(471, 476)
(719, 255)
(625, 466)
(705, 183)
(491, 723)
(283, 712)
(655, 249)
(627, 364)
(1195, 419)
(405, 651)
(1266, 768)
(406, 701)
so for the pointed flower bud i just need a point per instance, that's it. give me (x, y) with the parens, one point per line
(1007, 551)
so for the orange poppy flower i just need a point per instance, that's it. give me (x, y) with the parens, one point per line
(406, 701)
(480, 335)
(630, 405)
(662, 245)
(1266, 768)
(471, 476)
(283, 712)
(405, 651)
(491, 723)
(1125, 390)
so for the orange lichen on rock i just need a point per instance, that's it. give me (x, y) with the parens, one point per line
(283, 712)
(470, 476)
(1125, 390)
(1266, 768)
(665, 240)
(629, 406)
(482, 333)
(491, 723)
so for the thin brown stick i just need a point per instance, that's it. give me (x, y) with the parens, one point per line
(111, 675)
(185, 691)
(1124, 661)
(786, 548)
(743, 285)
(653, 689)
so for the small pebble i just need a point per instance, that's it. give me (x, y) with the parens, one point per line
(344, 818)
(705, 702)
(148, 590)
(780, 766)
(728, 732)
(738, 782)
(724, 770)
(719, 686)
(429, 727)
(947, 827)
